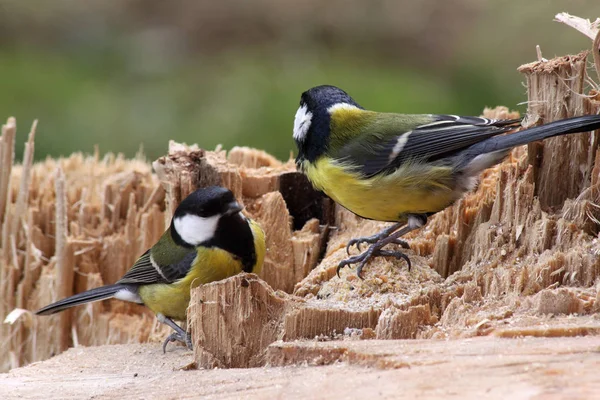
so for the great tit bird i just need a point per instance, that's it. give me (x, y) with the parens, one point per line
(401, 168)
(209, 239)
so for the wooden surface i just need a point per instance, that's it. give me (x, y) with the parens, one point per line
(77, 223)
(516, 257)
(478, 368)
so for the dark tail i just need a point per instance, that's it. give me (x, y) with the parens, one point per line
(100, 293)
(563, 127)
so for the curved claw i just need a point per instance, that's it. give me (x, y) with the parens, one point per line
(348, 249)
(168, 340)
(364, 257)
(361, 258)
(372, 239)
(360, 268)
(342, 264)
(358, 242)
(349, 261)
(403, 243)
(176, 337)
(398, 255)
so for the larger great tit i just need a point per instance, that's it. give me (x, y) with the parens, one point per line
(209, 239)
(398, 167)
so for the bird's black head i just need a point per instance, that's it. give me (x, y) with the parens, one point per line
(207, 202)
(197, 217)
(312, 122)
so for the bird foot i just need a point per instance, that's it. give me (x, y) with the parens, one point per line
(382, 239)
(373, 239)
(373, 251)
(185, 338)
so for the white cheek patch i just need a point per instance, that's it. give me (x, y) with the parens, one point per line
(341, 106)
(302, 123)
(194, 229)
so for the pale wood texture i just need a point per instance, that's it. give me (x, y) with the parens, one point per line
(585, 26)
(77, 223)
(477, 368)
(70, 225)
(234, 320)
(554, 92)
(262, 184)
(516, 257)
(501, 261)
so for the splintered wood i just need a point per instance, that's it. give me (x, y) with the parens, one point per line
(555, 91)
(260, 183)
(516, 257)
(69, 225)
(235, 320)
(73, 224)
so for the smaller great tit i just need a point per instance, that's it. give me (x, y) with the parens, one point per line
(209, 239)
(401, 168)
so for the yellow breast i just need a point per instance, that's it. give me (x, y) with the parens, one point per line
(260, 246)
(211, 264)
(412, 188)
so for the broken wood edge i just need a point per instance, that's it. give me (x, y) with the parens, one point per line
(395, 354)
(241, 322)
(233, 321)
(278, 197)
(54, 225)
(514, 186)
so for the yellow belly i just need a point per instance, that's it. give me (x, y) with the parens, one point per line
(172, 300)
(211, 264)
(413, 188)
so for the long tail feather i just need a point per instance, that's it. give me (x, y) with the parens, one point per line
(100, 293)
(563, 127)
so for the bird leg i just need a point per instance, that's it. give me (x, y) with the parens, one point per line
(385, 237)
(377, 237)
(178, 336)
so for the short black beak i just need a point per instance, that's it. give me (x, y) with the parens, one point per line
(233, 208)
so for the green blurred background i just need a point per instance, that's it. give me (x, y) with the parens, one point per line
(126, 73)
